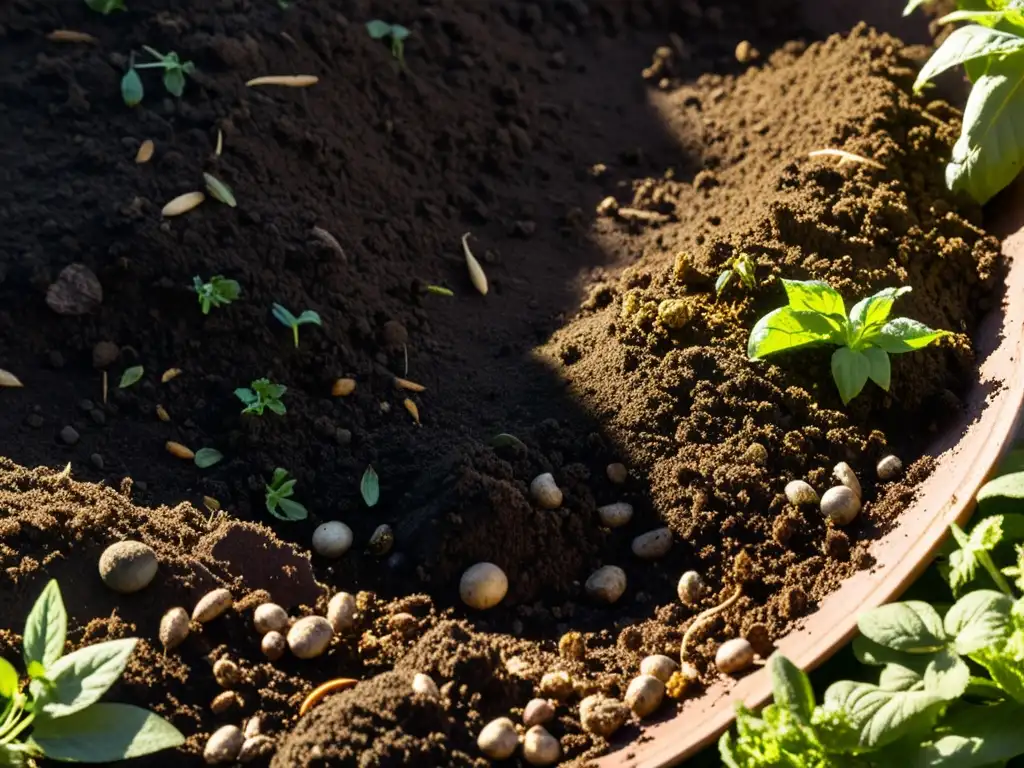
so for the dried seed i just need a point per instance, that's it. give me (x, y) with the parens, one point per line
(224, 701)
(332, 539)
(183, 204)
(289, 81)
(476, 272)
(483, 586)
(310, 636)
(343, 387)
(557, 685)
(659, 666)
(889, 468)
(170, 373)
(412, 386)
(212, 605)
(224, 745)
(606, 584)
(269, 617)
(145, 152)
(410, 406)
(220, 143)
(498, 740)
(179, 451)
(617, 473)
(70, 36)
(690, 588)
(8, 379)
(840, 505)
(602, 715)
(844, 473)
(382, 540)
(161, 413)
(644, 694)
(653, 544)
(273, 645)
(174, 628)
(255, 747)
(219, 190)
(545, 491)
(538, 712)
(127, 566)
(799, 492)
(734, 656)
(341, 611)
(540, 747)
(227, 673)
(321, 691)
(424, 686)
(615, 515)
(329, 240)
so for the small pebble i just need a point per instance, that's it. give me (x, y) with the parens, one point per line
(538, 712)
(483, 586)
(255, 747)
(644, 694)
(606, 584)
(332, 539)
(227, 673)
(653, 544)
(224, 745)
(690, 588)
(889, 468)
(540, 747)
(270, 617)
(617, 473)
(212, 605)
(799, 493)
(425, 686)
(403, 623)
(69, 435)
(382, 540)
(310, 636)
(840, 505)
(615, 515)
(844, 473)
(734, 656)
(602, 716)
(85, 405)
(98, 416)
(755, 454)
(545, 491)
(174, 628)
(273, 645)
(658, 666)
(498, 739)
(224, 701)
(128, 566)
(34, 420)
(341, 611)
(555, 685)
(97, 460)
(253, 727)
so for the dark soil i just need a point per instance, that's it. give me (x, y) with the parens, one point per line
(513, 121)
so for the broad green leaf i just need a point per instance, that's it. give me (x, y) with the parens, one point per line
(978, 619)
(881, 717)
(905, 335)
(978, 736)
(1009, 486)
(723, 281)
(309, 317)
(814, 296)
(398, 32)
(369, 487)
(880, 369)
(276, 406)
(896, 677)
(246, 395)
(913, 626)
(870, 314)
(174, 81)
(791, 687)
(783, 329)
(80, 678)
(990, 151)
(964, 45)
(131, 87)
(282, 315)
(378, 29)
(1007, 672)
(850, 370)
(874, 654)
(947, 675)
(220, 191)
(46, 628)
(8, 679)
(104, 733)
(131, 376)
(207, 457)
(292, 510)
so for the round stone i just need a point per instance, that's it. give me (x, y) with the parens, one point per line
(128, 566)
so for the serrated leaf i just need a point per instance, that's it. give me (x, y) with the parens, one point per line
(369, 487)
(80, 678)
(1007, 672)
(967, 44)
(978, 619)
(783, 330)
(104, 733)
(850, 370)
(131, 88)
(46, 628)
(131, 376)
(219, 190)
(207, 457)
(912, 626)
(882, 717)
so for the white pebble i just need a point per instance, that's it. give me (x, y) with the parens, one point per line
(424, 686)
(255, 747)
(483, 586)
(341, 611)
(310, 636)
(540, 747)
(653, 544)
(498, 739)
(212, 605)
(799, 493)
(601, 715)
(690, 588)
(557, 685)
(253, 727)
(270, 617)
(615, 515)
(840, 505)
(889, 468)
(545, 491)
(644, 694)
(174, 628)
(273, 645)
(734, 656)
(606, 584)
(224, 745)
(658, 666)
(844, 473)
(617, 473)
(538, 712)
(332, 539)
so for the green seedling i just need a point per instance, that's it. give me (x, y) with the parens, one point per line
(106, 6)
(378, 30)
(262, 394)
(216, 293)
(61, 701)
(279, 494)
(816, 315)
(742, 267)
(174, 70)
(287, 319)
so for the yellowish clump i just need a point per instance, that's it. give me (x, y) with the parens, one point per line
(630, 304)
(682, 268)
(673, 313)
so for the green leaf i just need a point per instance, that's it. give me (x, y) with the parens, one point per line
(282, 315)
(131, 87)
(439, 290)
(814, 296)
(220, 191)
(881, 717)
(1009, 486)
(46, 627)
(791, 687)
(912, 626)
(966, 44)
(978, 619)
(246, 395)
(1007, 672)
(174, 81)
(80, 678)
(131, 376)
(398, 32)
(896, 677)
(369, 487)
(293, 510)
(880, 369)
(36, 670)
(990, 151)
(723, 281)
(207, 457)
(947, 675)
(105, 6)
(104, 733)
(874, 654)
(8, 679)
(870, 314)
(988, 18)
(276, 406)
(850, 370)
(905, 335)
(378, 29)
(309, 317)
(505, 440)
(783, 329)
(978, 736)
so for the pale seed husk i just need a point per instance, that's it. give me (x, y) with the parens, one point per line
(8, 379)
(71, 36)
(411, 386)
(343, 387)
(220, 143)
(289, 81)
(145, 151)
(329, 240)
(169, 374)
(174, 628)
(183, 204)
(162, 414)
(179, 451)
(410, 406)
(212, 605)
(476, 272)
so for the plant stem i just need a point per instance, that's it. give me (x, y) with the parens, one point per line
(703, 617)
(986, 560)
(295, 333)
(13, 733)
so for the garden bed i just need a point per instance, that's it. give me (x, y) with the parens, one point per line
(514, 124)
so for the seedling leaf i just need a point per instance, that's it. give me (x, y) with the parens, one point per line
(131, 88)
(131, 376)
(8, 679)
(784, 329)
(879, 366)
(104, 733)
(978, 619)
(369, 487)
(293, 510)
(791, 687)
(79, 679)
(814, 296)
(973, 43)
(45, 628)
(378, 29)
(912, 626)
(439, 290)
(219, 190)
(881, 717)
(207, 457)
(850, 369)
(723, 281)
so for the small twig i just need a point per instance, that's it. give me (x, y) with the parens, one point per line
(703, 617)
(845, 157)
(104, 387)
(405, 351)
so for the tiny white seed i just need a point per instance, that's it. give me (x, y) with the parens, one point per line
(332, 539)
(212, 605)
(799, 492)
(840, 505)
(424, 686)
(273, 645)
(653, 544)
(889, 467)
(602, 716)
(483, 586)
(617, 473)
(734, 656)
(606, 584)
(844, 473)
(690, 588)
(223, 745)
(270, 617)
(658, 666)
(253, 727)
(557, 685)
(498, 739)
(255, 747)
(341, 611)
(615, 515)
(540, 747)
(545, 491)
(227, 673)
(174, 628)
(538, 712)
(644, 694)
(310, 636)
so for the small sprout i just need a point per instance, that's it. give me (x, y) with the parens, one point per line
(182, 204)
(106, 6)
(131, 376)
(369, 487)
(289, 320)
(439, 290)
(701, 618)
(279, 494)
(207, 457)
(145, 152)
(131, 88)
(219, 190)
(412, 386)
(742, 267)
(220, 143)
(8, 379)
(846, 157)
(170, 373)
(844, 473)
(263, 394)
(289, 81)
(476, 272)
(179, 451)
(174, 70)
(216, 293)
(329, 240)
(378, 30)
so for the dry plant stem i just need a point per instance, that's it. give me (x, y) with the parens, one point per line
(104, 387)
(845, 156)
(703, 617)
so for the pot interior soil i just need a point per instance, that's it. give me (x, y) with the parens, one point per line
(513, 124)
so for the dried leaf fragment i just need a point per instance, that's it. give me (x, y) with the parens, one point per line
(71, 36)
(289, 81)
(183, 204)
(321, 691)
(145, 151)
(410, 406)
(8, 379)
(476, 272)
(179, 451)
(329, 240)
(75, 292)
(343, 387)
(412, 386)
(162, 414)
(846, 157)
(170, 373)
